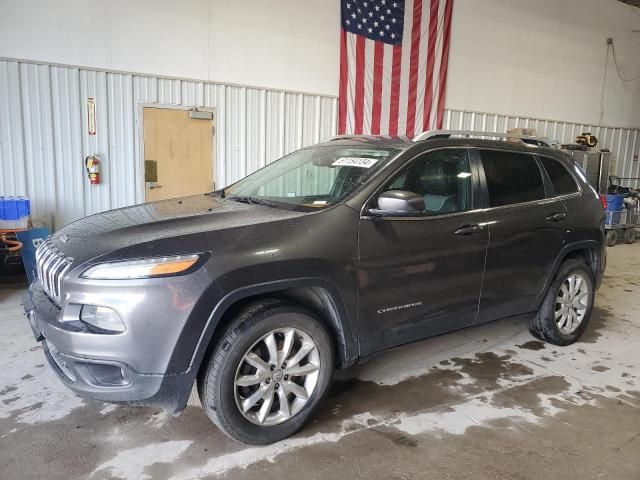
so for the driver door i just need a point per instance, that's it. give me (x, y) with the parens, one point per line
(420, 276)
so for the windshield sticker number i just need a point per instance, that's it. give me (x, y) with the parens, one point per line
(359, 162)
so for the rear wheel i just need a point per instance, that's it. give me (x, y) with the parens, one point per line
(268, 373)
(566, 308)
(612, 238)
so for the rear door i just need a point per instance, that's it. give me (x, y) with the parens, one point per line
(526, 229)
(420, 276)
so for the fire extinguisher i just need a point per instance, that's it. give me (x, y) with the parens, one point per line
(92, 163)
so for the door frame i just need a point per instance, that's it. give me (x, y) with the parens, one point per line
(139, 165)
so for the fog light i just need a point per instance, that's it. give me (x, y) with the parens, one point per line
(102, 317)
(108, 374)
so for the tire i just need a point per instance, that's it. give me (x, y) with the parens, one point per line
(223, 400)
(612, 238)
(629, 235)
(544, 326)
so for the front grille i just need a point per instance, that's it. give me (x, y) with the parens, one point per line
(52, 264)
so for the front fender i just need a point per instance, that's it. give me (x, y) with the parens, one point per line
(340, 322)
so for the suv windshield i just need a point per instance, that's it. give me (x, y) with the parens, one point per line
(310, 178)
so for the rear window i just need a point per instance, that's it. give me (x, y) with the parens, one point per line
(563, 182)
(511, 177)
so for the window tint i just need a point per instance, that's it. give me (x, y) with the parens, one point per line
(563, 182)
(511, 177)
(442, 177)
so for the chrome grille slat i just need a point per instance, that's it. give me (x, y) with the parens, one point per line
(60, 275)
(51, 265)
(47, 270)
(53, 270)
(45, 258)
(38, 257)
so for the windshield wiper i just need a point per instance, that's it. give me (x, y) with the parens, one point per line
(251, 200)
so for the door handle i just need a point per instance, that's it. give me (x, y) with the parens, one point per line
(468, 230)
(556, 217)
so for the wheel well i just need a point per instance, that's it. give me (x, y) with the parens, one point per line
(316, 299)
(588, 255)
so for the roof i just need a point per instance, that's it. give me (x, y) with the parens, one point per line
(377, 141)
(401, 142)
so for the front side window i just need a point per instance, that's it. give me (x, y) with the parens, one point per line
(441, 177)
(562, 181)
(511, 177)
(311, 178)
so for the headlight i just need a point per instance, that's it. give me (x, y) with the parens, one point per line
(143, 268)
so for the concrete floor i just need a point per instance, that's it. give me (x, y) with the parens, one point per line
(486, 402)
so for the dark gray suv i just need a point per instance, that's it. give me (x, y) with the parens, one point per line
(336, 252)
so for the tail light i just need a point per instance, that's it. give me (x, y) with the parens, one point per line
(603, 201)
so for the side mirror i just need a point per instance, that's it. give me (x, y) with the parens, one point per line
(398, 203)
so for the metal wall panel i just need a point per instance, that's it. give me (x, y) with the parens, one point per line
(38, 141)
(67, 144)
(13, 178)
(44, 138)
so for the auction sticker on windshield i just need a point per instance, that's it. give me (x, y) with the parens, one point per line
(355, 162)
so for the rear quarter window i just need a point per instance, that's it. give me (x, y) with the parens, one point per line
(562, 180)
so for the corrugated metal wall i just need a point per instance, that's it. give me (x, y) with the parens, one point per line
(44, 139)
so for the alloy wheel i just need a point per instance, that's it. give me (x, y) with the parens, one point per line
(277, 376)
(571, 303)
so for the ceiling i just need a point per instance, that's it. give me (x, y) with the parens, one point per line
(635, 3)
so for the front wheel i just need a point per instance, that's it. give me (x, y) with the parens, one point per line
(630, 235)
(566, 308)
(268, 373)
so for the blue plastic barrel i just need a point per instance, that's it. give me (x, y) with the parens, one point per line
(614, 209)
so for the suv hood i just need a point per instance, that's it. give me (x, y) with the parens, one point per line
(114, 230)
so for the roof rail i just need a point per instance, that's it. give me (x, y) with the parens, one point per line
(526, 139)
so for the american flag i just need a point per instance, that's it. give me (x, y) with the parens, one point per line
(393, 65)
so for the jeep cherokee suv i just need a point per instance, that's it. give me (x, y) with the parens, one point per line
(256, 292)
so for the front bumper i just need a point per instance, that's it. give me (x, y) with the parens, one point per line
(133, 367)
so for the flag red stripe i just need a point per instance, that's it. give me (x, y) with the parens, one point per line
(431, 58)
(413, 67)
(378, 58)
(359, 100)
(395, 90)
(344, 81)
(444, 62)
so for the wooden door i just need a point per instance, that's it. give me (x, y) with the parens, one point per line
(178, 154)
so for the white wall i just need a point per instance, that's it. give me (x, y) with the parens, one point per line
(284, 44)
(544, 58)
(540, 58)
